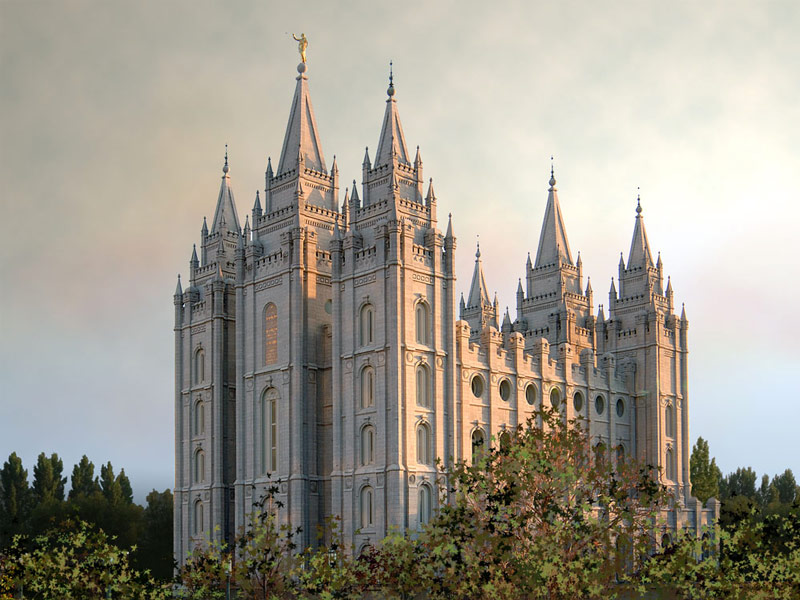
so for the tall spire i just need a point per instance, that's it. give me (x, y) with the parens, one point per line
(301, 137)
(478, 293)
(640, 255)
(392, 142)
(553, 244)
(225, 216)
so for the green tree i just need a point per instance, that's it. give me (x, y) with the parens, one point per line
(83, 480)
(767, 493)
(15, 503)
(741, 482)
(125, 487)
(48, 484)
(109, 484)
(704, 472)
(154, 550)
(786, 486)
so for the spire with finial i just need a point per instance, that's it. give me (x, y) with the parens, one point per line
(588, 286)
(225, 168)
(204, 230)
(225, 217)
(683, 313)
(553, 243)
(193, 262)
(417, 160)
(178, 288)
(478, 292)
(449, 233)
(612, 293)
(392, 141)
(431, 195)
(640, 255)
(354, 199)
(246, 229)
(520, 291)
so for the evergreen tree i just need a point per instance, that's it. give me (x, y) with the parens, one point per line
(48, 485)
(741, 482)
(705, 475)
(154, 551)
(14, 498)
(109, 484)
(84, 483)
(786, 486)
(125, 487)
(766, 493)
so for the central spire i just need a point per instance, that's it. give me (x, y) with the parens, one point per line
(640, 254)
(478, 293)
(225, 217)
(392, 142)
(553, 244)
(301, 142)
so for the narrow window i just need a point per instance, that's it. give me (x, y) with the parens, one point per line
(670, 466)
(423, 386)
(199, 418)
(668, 423)
(422, 323)
(367, 325)
(577, 401)
(505, 390)
(478, 441)
(199, 466)
(270, 334)
(367, 387)
(620, 407)
(199, 366)
(367, 445)
(269, 431)
(599, 405)
(423, 444)
(199, 520)
(530, 394)
(424, 507)
(366, 506)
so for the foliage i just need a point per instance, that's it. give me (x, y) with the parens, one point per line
(705, 475)
(83, 481)
(79, 562)
(154, 551)
(48, 485)
(14, 498)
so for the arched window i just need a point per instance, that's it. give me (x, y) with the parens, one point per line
(199, 525)
(367, 445)
(505, 390)
(269, 431)
(199, 466)
(367, 323)
(423, 444)
(555, 398)
(670, 466)
(199, 418)
(367, 387)
(366, 506)
(599, 405)
(577, 401)
(423, 386)
(478, 443)
(270, 334)
(199, 366)
(477, 386)
(422, 323)
(530, 394)
(668, 421)
(505, 440)
(424, 507)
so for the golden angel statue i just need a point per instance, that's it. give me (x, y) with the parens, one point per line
(301, 45)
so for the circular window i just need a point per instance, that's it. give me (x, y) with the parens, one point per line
(477, 386)
(505, 389)
(555, 397)
(328, 306)
(577, 401)
(599, 405)
(530, 394)
(620, 407)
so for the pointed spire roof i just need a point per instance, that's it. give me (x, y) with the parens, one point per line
(519, 287)
(193, 259)
(178, 289)
(257, 204)
(553, 242)
(225, 213)
(449, 233)
(301, 137)
(392, 141)
(478, 293)
(431, 195)
(640, 254)
(204, 229)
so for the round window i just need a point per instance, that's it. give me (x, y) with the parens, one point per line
(555, 397)
(328, 306)
(477, 386)
(620, 407)
(577, 401)
(505, 389)
(530, 394)
(599, 405)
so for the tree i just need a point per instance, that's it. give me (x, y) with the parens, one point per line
(109, 484)
(705, 475)
(14, 498)
(786, 486)
(125, 487)
(543, 516)
(741, 482)
(48, 485)
(83, 480)
(154, 550)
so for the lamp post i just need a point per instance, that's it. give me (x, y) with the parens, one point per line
(228, 578)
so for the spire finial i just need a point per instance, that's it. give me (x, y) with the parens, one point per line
(638, 201)
(390, 91)
(478, 246)
(225, 168)
(552, 176)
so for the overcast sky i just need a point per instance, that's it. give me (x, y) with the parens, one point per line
(113, 122)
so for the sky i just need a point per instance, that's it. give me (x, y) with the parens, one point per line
(113, 124)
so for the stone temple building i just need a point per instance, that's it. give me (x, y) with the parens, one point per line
(318, 346)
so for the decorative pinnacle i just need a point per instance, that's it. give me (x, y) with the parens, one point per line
(552, 177)
(478, 247)
(638, 202)
(225, 168)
